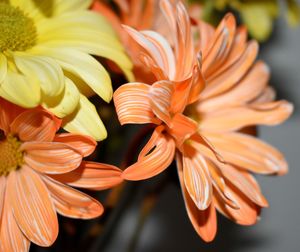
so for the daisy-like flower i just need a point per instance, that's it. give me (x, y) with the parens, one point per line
(198, 105)
(37, 168)
(45, 59)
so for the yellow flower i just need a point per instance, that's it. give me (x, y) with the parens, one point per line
(45, 59)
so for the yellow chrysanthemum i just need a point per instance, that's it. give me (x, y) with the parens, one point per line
(45, 59)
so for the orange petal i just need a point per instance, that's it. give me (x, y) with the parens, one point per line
(246, 183)
(133, 104)
(246, 90)
(204, 142)
(153, 163)
(34, 125)
(156, 135)
(181, 128)
(267, 95)
(167, 55)
(221, 45)
(205, 32)
(233, 74)
(85, 144)
(180, 32)
(8, 112)
(180, 96)
(249, 153)
(198, 84)
(219, 184)
(237, 49)
(229, 119)
(11, 237)
(204, 222)
(32, 206)
(160, 95)
(196, 177)
(159, 50)
(2, 193)
(91, 175)
(51, 158)
(247, 212)
(73, 203)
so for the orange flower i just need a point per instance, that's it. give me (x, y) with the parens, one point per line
(139, 14)
(36, 168)
(198, 118)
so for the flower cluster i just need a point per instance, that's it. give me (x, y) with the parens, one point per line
(199, 87)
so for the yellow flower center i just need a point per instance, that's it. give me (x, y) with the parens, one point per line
(17, 30)
(11, 158)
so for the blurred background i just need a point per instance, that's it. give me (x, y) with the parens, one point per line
(167, 227)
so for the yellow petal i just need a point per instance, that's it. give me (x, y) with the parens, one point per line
(46, 70)
(82, 31)
(85, 120)
(84, 66)
(20, 90)
(62, 6)
(259, 20)
(49, 8)
(3, 67)
(65, 103)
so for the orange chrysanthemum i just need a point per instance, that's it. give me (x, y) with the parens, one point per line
(36, 168)
(208, 87)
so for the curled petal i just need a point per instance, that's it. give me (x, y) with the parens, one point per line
(237, 49)
(219, 184)
(34, 125)
(73, 203)
(84, 144)
(32, 207)
(165, 51)
(246, 183)
(196, 177)
(153, 162)
(233, 74)
(156, 47)
(94, 176)
(247, 211)
(133, 104)
(181, 128)
(160, 95)
(230, 119)
(203, 221)
(51, 158)
(221, 45)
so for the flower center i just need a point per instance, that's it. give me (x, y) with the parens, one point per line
(11, 158)
(17, 30)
